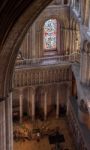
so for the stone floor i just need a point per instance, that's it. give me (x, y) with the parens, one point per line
(43, 144)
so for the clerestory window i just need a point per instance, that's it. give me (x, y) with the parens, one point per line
(50, 35)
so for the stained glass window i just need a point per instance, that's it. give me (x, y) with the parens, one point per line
(50, 31)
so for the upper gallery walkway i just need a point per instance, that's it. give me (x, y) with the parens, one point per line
(43, 71)
(47, 61)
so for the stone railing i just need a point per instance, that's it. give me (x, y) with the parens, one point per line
(41, 75)
(44, 61)
(79, 132)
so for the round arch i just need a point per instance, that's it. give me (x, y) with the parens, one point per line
(11, 44)
(63, 22)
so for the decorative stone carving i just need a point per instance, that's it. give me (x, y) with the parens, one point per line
(86, 46)
(83, 106)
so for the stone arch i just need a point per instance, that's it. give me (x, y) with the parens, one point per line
(59, 22)
(40, 23)
(11, 44)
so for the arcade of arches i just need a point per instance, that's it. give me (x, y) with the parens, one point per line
(45, 71)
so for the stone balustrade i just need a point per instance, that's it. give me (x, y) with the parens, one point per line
(71, 58)
(42, 75)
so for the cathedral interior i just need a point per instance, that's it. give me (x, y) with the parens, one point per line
(45, 75)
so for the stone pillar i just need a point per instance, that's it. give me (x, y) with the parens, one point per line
(62, 2)
(33, 103)
(85, 65)
(69, 87)
(28, 101)
(45, 105)
(11, 120)
(70, 45)
(79, 9)
(57, 103)
(27, 48)
(73, 40)
(2, 126)
(34, 41)
(87, 12)
(9, 123)
(21, 106)
(74, 4)
(89, 22)
(82, 11)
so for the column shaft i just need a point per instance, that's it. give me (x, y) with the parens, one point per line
(45, 106)
(62, 2)
(28, 103)
(9, 123)
(33, 104)
(57, 104)
(21, 106)
(89, 23)
(2, 126)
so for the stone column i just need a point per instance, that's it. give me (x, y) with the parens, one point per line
(27, 45)
(34, 41)
(82, 11)
(9, 123)
(85, 65)
(69, 87)
(28, 101)
(2, 126)
(45, 105)
(74, 4)
(11, 120)
(21, 106)
(89, 23)
(33, 103)
(57, 103)
(79, 9)
(62, 2)
(87, 12)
